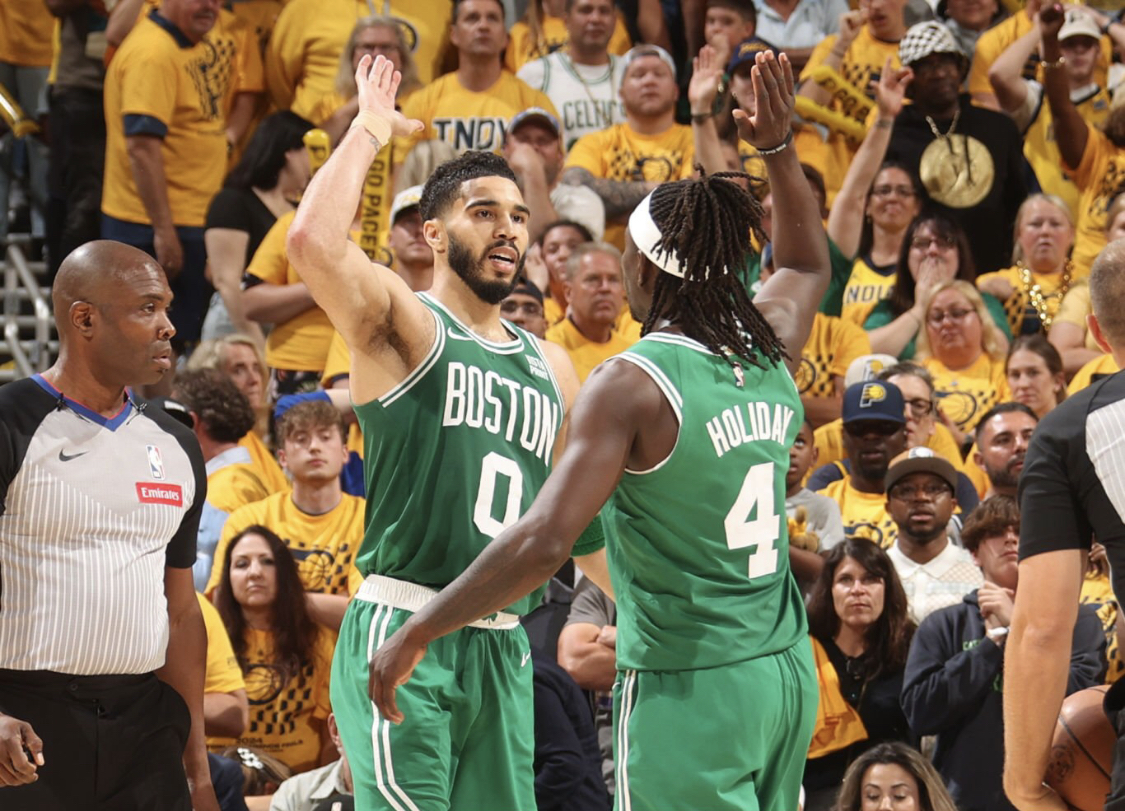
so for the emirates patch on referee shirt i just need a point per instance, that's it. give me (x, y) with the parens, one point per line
(171, 494)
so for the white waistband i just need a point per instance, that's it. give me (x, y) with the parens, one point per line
(411, 597)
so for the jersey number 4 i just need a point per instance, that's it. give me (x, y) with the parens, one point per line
(762, 531)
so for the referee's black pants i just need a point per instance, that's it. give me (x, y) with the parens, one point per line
(110, 743)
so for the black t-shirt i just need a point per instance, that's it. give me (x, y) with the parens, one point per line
(241, 210)
(989, 223)
(1072, 489)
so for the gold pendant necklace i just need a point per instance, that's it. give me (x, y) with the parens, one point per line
(1040, 301)
(956, 170)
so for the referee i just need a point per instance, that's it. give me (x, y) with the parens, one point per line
(1072, 491)
(102, 645)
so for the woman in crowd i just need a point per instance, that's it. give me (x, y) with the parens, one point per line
(1035, 374)
(934, 251)
(265, 184)
(1068, 329)
(285, 657)
(860, 633)
(371, 36)
(1033, 287)
(964, 350)
(893, 775)
(874, 208)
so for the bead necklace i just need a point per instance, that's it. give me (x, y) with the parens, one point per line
(1037, 299)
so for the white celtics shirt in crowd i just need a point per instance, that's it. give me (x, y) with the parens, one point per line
(586, 96)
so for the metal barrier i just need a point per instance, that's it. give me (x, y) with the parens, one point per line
(20, 284)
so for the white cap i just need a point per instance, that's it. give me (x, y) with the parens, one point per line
(407, 198)
(867, 367)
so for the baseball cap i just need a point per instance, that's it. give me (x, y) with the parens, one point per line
(1078, 24)
(867, 367)
(874, 400)
(920, 460)
(747, 50)
(528, 288)
(926, 39)
(534, 113)
(407, 198)
(637, 51)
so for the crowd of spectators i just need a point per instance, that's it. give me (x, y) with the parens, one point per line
(969, 160)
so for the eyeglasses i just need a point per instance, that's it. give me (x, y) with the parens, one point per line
(376, 48)
(911, 492)
(936, 317)
(532, 309)
(920, 408)
(924, 243)
(880, 427)
(887, 191)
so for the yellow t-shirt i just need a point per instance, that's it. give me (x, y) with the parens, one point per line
(1092, 372)
(26, 28)
(323, 545)
(584, 353)
(1099, 177)
(522, 47)
(833, 344)
(465, 119)
(1074, 308)
(223, 675)
(1041, 148)
(829, 442)
(1017, 307)
(862, 64)
(288, 721)
(234, 486)
(866, 287)
(165, 84)
(1098, 591)
(964, 395)
(864, 514)
(237, 43)
(266, 463)
(622, 153)
(260, 15)
(303, 55)
(301, 343)
(996, 40)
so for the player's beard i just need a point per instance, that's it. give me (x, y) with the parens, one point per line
(471, 271)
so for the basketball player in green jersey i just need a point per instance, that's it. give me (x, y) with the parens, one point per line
(684, 438)
(460, 415)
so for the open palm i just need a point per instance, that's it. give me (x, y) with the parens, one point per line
(377, 82)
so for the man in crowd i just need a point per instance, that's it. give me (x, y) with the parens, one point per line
(97, 567)
(533, 148)
(874, 434)
(319, 522)
(413, 256)
(625, 162)
(595, 296)
(470, 108)
(556, 243)
(920, 500)
(953, 686)
(583, 80)
(1002, 435)
(524, 307)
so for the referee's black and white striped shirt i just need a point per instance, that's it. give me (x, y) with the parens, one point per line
(91, 511)
(1072, 489)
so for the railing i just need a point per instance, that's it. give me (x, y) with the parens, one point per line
(20, 284)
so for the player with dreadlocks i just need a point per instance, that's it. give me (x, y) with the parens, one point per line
(682, 442)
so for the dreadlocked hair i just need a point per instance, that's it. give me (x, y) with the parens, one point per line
(707, 223)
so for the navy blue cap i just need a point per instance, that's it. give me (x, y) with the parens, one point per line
(747, 50)
(874, 400)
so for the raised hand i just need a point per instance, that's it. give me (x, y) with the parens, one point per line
(706, 74)
(891, 89)
(850, 24)
(377, 83)
(1051, 19)
(772, 120)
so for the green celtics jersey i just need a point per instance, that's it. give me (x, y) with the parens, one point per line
(698, 545)
(456, 453)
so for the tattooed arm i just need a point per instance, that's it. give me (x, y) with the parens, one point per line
(620, 196)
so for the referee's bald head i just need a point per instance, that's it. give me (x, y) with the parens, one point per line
(1107, 292)
(95, 272)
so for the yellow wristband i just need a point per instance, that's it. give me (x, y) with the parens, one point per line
(376, 127)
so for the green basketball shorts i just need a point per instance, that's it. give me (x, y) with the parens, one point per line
(468, 737)
(730, 738)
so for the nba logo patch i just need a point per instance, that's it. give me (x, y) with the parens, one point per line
(155, 462)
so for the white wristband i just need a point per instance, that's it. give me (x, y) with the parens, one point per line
(377, 127)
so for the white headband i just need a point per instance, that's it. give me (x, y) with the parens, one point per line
(646, 236)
